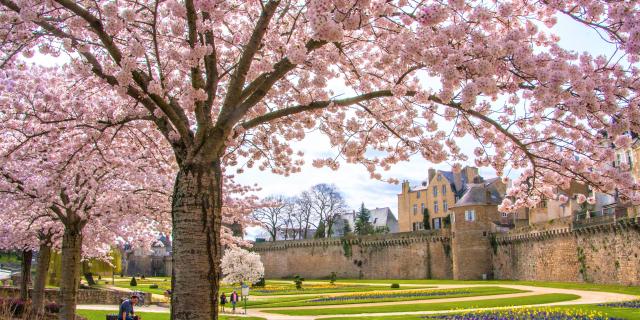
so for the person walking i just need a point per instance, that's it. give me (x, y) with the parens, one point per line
(223, 301)
(234, 300)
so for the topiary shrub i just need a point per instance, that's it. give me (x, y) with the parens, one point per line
(332, 278)
(298, 281)
(153, 286)
(260, 283)
(395, 286)
(133, 282)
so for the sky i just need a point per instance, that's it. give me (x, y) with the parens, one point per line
(354, 181)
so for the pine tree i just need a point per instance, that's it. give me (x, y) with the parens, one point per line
(347, 228)
(362, 225)
(425, 219)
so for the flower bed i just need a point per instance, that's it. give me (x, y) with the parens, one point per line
(628, 304)
(388, 295)
(283, 288)
(528, 314)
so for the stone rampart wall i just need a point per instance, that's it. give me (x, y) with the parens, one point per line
(410, 255)
(606, 252)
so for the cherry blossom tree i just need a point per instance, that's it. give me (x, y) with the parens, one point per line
(241, 266)
(95, 188)
(231, 83)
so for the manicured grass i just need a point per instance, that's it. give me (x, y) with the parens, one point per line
(101, 315)
(492, 303)
(620, 313)
(633, 290)
(456, 293)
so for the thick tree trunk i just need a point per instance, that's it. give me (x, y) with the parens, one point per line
(25, 276)
(197, 213)
(44, 258)
(70, 280)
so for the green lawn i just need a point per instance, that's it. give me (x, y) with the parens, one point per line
(341, 300)
(633, 290)
(621, 313)
(101, 315)
(491, 303)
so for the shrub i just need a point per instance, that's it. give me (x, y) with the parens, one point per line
(333, 277)
(52, 307)
(153, 286)
(260, 283)
(298, 281)
(133, 282)
(395, 286)
(142, 277)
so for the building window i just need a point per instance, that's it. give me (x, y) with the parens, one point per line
(618, 159)
(453, 217)
(435, 206)
(435, 191)
(418, 226)
(629, 159)
(439, 177)
(436, 223)
(504, 214)
(470, 215)
(415, 209)
(418, 195)
(445, 206)
(444, 190)
(422, 207)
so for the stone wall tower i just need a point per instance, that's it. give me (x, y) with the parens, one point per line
(472, 220)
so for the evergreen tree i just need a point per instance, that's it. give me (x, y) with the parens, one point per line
(425, 219)
(320, 232)
(362, 225)
(347, 228)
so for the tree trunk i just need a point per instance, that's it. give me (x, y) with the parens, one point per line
(70, 279)
(44, 258)
(25, 276)
(196, 213)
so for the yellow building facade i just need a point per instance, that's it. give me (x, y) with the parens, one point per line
(438, 194)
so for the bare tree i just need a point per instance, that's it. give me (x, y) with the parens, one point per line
(271, 217)
(304, 216)
(328, 204)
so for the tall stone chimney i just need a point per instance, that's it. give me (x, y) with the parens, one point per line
(457, 179)
(432, 173)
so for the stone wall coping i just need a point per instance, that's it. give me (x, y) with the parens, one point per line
(387, 239)
(519, 236)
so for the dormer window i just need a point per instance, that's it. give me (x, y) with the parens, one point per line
(439, 177)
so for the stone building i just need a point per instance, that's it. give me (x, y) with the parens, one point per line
(441, 191)
(382, 219)
(158, 262)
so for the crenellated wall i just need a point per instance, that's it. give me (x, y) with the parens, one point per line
(599, 252)
(410, 255)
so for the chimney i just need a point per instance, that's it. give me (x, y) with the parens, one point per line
(432, 173)
(405, 186)
(457, 180)
(471, 173)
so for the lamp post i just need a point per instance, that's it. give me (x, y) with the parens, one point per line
(245, 296)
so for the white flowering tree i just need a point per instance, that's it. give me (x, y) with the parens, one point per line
(241, 266)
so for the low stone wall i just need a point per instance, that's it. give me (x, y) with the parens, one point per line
(410, 255)
(85, 296)
(605, 253)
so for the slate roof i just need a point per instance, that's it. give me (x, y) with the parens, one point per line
(482, 193)
(379, 216)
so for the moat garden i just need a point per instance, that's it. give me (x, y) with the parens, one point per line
(400, 299)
